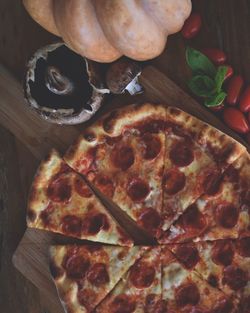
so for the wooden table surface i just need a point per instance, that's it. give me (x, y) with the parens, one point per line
(226, 25)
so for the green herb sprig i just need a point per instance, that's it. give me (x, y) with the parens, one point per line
(207, 80)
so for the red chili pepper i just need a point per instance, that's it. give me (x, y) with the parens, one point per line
(234, 89)
(230, 72)
(191, 26)
(245, 100)
(217, 108)
(236, 120)
(215, 55)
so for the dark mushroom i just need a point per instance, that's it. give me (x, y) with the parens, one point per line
(123, 75)
(63, 87)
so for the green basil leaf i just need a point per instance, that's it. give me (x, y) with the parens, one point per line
(216, 100)
(202, 86)
(220, 77)
(199, 63)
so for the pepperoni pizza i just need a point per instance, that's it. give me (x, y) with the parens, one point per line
(184, 182)
(122, 154)
(186, 292)
(61, 201)
(224, 264)
(140, 289)
(222, 212)
(84, 275)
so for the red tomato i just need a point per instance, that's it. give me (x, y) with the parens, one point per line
(234, 89)
(217, 108)
(215, 55)
(236, 120)
(230, 72)
(245, 100)
(191, 26)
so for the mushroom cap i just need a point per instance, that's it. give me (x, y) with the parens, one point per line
(69, 106)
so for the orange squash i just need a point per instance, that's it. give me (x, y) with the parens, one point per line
(104, 30)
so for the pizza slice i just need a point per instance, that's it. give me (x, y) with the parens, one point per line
(85, 274)
(186, 292)
(139, 290)
(223, 212)
(195, 153)
(122, 155)
(61, 201)
(224, 264)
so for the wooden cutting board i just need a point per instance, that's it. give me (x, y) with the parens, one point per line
(39, 137)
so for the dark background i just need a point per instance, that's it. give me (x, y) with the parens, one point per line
(226, 25)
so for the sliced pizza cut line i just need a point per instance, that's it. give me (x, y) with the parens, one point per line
(61, 201)
(140, 288)
(196, 153)
(185, 290)
(223, 212)
(85, 274)
(222, 148)
(224, 264)
(122, 156)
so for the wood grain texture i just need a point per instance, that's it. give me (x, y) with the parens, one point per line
(31, 256)
(226, 24)
(12, 223)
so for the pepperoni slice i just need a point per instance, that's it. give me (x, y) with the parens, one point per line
(243, 247)
(174, 181)
(105, 185)
(123, 304)
(123, 157)
(212, 280)
(59, 189)
(71, 225)
(151, 146)
(188, 255)
(187, 294)
(93, 224)
(227, 215)
(152, 126)
(86, 298)
(98, 275)
(155, 305)
(212, 183)
(235, 277)
(138, 190)
(81, 188)
(76, 266)
(150, 220)
(55, 271)
(142, 275)
(223, 306)
(223, 252)
(181, 154)
(232, 174)
(193, 219)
